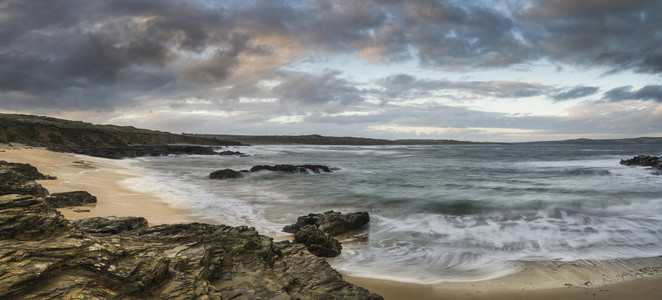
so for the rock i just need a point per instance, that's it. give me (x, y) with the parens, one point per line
(333, 223)
(292, 169)
(118, 152)
(303, 169)
(225, 174)
(20, 179)
(316, 231)
(317, 242)
(644, 160)
(44, 256)
(228, 152)
(76, 198)
(111, 225)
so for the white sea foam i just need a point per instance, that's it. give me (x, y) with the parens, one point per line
(438, 213)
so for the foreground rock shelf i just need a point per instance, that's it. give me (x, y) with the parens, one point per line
(45, 256)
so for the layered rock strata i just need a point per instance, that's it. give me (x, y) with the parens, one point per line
(45, 256)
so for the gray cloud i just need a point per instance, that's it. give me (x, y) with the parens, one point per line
(403, 85)
(649, 92)
(574, 93)
(307, 88)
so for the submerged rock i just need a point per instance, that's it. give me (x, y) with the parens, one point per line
(76, 198)
(226, 174)
(302, 169)
(644, 160)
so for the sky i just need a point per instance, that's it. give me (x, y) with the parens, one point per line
(509, 70)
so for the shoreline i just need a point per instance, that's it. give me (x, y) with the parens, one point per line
(613, 279)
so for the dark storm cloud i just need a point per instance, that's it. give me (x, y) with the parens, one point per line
(624, 93)
(574, 93)
(94, 54)
(621, 34)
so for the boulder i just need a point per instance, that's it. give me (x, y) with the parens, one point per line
(333, 223)
(226, 174)
(76, 198)
(317, 242)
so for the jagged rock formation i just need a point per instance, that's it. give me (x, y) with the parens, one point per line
(44, 256)
(317, 242)
(18, 178)
(333, 223)
(76, 198)
(111, 225)
(644, 160)
(302, 169)
(118, 152)
(316, 231)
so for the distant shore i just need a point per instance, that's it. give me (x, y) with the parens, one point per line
(633, 278)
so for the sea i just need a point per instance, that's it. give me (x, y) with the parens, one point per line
(438, 213)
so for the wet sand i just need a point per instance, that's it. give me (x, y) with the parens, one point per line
(639, 278)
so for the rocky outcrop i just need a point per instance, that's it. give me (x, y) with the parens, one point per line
(226, 174)
(18, 178)
(302, 169)
(111, 225)
(644, 160)
(316, 231)
(65, 199)
(118, 152)
(44, 256)
(333, 223)
(318, 242)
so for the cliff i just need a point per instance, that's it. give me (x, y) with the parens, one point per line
(47, 131)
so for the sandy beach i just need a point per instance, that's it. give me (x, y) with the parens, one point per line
(618, 279)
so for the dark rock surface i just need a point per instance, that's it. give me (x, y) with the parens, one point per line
(44, 256)
(18, 178)
(111, 225)
(316, 231)
(76, 198)
(226, 174)
(318, 242)
(644, 160)
(302, 169)
(118, 152)
(333, 223)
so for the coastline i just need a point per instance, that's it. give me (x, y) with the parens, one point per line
(100, 177)
(103, 178)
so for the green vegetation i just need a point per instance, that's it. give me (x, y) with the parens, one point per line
(47, 131)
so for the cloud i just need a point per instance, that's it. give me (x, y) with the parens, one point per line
(407, 86)
(624, 93)
(574, 93)
(309, 89)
